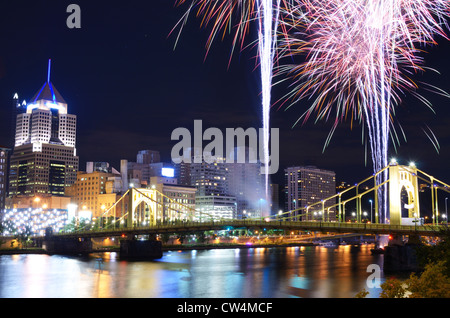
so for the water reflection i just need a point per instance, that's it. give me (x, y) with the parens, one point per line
(229, 273)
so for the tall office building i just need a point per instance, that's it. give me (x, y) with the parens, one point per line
(100, 166)
(307, 185)
(210, 177)
(44, 159)
(148, 156)
(275, 198)
(226, 189)
(16, 109)
(147, 165)
(247, 184)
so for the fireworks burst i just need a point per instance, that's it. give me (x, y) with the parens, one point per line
(233, 16)
(359, 58)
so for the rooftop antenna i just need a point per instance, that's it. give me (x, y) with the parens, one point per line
(48, 72)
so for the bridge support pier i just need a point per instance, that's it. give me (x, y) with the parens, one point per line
(137, 249)
(65, 246)
(399, 257)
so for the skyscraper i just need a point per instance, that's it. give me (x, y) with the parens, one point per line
(307, 185)
(44, 159)
(226, 189)
(16, 109)
(246, 183)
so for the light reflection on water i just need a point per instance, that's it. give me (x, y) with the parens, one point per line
(228, 273)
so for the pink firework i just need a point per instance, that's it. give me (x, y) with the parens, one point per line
(358, 58)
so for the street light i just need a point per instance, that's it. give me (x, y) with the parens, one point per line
(446, 209)
(260, 207)
(295, 207)
(370, 211)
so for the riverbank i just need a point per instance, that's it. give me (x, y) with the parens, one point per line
(174, 247)
(230, 245)
(12, 251)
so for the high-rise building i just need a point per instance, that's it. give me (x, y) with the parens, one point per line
(100, 166)
(210, 177)
(16, 109)
(148, 156)
(226, 189)
(44, 159)
(147, 165)
(307, 185)
(275, 198)
(183, 173)
(246, 183)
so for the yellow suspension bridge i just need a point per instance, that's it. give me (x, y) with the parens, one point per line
(142, 211)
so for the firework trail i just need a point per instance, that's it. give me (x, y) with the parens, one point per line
(236, 16)
(266, 48)
(358, 58)
(233, 16)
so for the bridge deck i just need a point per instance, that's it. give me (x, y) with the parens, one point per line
(339, 227)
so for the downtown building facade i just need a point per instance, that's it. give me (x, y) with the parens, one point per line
(172, 201)
(209, 176)
(306, 185)
(94, 192)
(175, 201)
(225, 190)
(44, 160)
(147, 165)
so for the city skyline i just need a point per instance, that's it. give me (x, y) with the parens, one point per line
(130, 88)
(103, 195)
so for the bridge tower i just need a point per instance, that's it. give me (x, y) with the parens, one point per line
(142, 214)
(403, 179)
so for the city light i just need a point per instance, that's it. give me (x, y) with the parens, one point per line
(95, 231)
(168, 172)
(33, 221)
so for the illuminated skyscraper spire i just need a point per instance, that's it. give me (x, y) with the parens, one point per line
(48, 71)
(48, 91)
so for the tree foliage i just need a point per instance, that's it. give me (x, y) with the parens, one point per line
(433, 282)
(392, 288)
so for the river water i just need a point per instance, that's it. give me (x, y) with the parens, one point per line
(280, 272)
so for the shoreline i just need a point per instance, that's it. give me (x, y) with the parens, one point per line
(225, 246)
(170, 248)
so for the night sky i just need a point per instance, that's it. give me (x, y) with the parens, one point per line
(130, 88)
